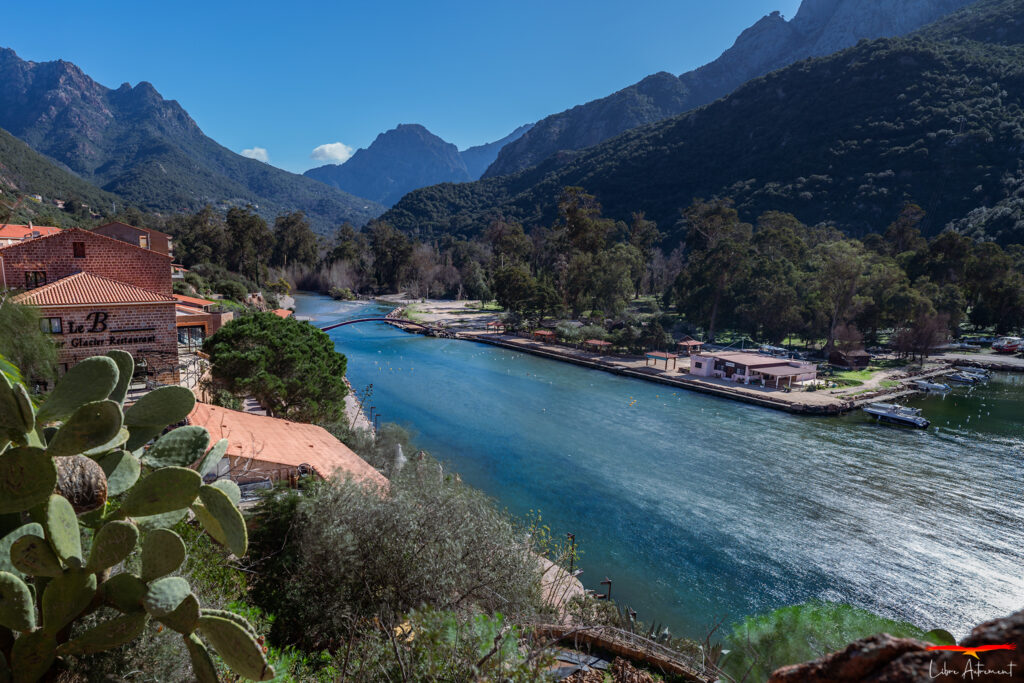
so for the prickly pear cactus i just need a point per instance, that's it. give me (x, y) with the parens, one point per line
(80, 464)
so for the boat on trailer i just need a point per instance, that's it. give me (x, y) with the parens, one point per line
(1007, 345)
(925, 385)
(897, 414)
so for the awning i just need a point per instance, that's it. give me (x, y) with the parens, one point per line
(784, 371)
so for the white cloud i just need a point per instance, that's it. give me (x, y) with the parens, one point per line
(337, 152)
(257, 153)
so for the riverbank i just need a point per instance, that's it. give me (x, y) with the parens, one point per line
(468, 320)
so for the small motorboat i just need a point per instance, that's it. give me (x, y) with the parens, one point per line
(897, 414)
(965, 378)
(981, 372)
(925, 385)
(1007, 344)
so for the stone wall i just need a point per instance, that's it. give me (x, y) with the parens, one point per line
(103, 256)
(145, 331)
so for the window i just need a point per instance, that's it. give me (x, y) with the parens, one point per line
(144, 241)
(51, 325)
(698, 365)
(35, 278)
(79, 249)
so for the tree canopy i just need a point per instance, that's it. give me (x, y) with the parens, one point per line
(289, 366)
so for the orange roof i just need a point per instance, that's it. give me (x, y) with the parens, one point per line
(193, 300)
(282, 313)
(133, 227)
(597, 342)
(86, 289)
(270, 439)
(20, 232)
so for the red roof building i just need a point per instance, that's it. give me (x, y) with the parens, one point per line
(12, 234)
(282, 313)
(261, 447)
(95, 294)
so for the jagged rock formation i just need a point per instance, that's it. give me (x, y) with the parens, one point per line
(884, 659)
(819, 28)
(148, 150)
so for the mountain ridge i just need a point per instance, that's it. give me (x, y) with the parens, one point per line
(406, 158)
(819, 27)
(148, 150)
(936, 123)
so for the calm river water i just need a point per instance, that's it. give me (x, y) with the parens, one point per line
(701, 509)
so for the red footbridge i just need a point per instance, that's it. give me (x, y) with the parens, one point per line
(394, 321)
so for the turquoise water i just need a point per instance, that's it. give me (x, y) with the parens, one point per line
(702, 509)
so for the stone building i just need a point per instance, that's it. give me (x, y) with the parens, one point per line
(94, 294)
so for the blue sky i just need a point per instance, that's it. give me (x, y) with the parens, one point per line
(288, 77)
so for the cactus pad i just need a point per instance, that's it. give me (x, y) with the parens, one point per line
(163, 552)
(17, 611)
(229, 487)
(32, 655)
(93, 424)
(33, 556)
(164, 595)
(237, 647)
(165, 521)
(91, 380)
(125, 368)
(66, 596)
(113, 543)
(222, 520)
(16, 413)
(164, 490)
(27, 478)
(8, 541)
(202, 663)
(122, 470)
(82, 481)
(125, 592)
(62, 532)
(210, 460)
(180, 447)
(106, 636)
(148, 416)
(237, 618)
(185, 617)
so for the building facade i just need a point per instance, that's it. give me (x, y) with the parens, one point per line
(752, 368)
(95, 294)
(144, 238)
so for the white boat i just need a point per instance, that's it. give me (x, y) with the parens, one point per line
(1007, 344)
(925, 385)
(965, 378)
(897, 414)
(981, 372)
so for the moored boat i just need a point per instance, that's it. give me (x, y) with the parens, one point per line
(925, 385)
(981, 372)
(897, 414)
(964, 378)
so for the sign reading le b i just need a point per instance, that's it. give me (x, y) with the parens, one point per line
(99, 321)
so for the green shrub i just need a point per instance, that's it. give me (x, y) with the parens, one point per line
(799, 633)
(367, 553)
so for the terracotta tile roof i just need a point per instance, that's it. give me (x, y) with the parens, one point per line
(20, 232)
(273, 440)
(193, 300)
(86, 288)
(282, 313)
